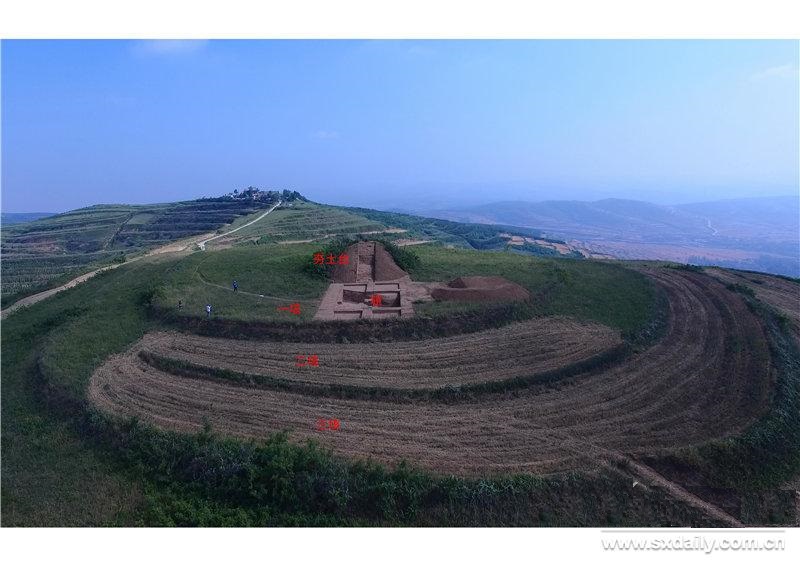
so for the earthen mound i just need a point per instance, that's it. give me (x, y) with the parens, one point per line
(346, 273)
(385, 267)
(481, 289)
(367, 261)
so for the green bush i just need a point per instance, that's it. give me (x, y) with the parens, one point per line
(405, 258)
(333, 247)
(741, 289)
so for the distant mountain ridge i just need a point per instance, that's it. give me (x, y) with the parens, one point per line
(11, 218)
(750, 233)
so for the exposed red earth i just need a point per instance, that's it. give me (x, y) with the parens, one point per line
(371, 271)
(480, 289)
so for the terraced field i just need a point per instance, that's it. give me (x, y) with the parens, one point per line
(303, 221)
(780, 293)
(708, 377)
(38, 253)
(517, 350)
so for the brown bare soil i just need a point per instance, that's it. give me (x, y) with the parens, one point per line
(709, 377)
(517, 350)
(652, 478)
(385, 267)
(480, 289)
(779, 293)
(368, 260)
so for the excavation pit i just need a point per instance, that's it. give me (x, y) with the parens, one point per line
(370, 286)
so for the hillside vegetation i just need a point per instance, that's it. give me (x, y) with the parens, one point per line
(601, 292)
(308, 221)
(273, 275)
(303, 221)
(66, 462)
(39, 253)
(474, 236)
(64, 466)
(268, 277)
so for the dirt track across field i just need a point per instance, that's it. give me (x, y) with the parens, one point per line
(202, 243)
(709, 377)
(173, 247)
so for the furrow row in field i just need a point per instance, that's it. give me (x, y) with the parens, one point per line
(779, 293)
(517, 350)
(707, 378)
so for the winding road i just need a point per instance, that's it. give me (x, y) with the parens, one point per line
(173, 247)
(202, 244)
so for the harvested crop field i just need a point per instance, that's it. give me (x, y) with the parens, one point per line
(708, 377)
(781, 294)
(517, 350)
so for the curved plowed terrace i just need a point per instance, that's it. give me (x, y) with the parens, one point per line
(708, 377)
(518, 350)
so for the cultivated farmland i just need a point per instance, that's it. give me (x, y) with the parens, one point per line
(302, 222)
(711, 396)
(781, 293)
(519, 350)
(41, 253)
(707, 378)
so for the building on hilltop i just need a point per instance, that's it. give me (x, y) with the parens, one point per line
(254, 193)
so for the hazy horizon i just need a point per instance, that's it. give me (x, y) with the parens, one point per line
(398, 124)
(418, 210)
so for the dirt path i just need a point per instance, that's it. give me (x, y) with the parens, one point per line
(255, 294)
(618, 462)
(34, 298)
(172, 247)
(650, 477)
(202, 244)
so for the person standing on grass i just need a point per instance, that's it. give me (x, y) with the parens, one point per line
(235, 286)
(208, 310)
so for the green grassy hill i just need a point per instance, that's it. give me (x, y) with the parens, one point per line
(274, 271)
(66, 464)
(301, 221)
(309, 222)
(44, 253)
(274, 274)
(474, 236)
(41, 253)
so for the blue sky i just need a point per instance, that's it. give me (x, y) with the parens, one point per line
(411, 124)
